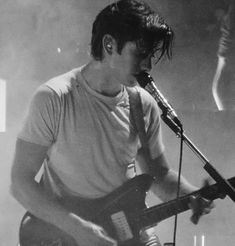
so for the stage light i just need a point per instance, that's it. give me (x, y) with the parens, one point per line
(195, 240)
(203, 240)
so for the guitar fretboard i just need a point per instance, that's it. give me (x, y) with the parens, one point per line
(155, 214)
(163, 211)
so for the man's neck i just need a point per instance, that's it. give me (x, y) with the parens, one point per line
(101, 79)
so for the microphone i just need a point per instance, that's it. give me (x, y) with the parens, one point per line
(146, 81)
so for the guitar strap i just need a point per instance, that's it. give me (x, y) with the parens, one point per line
(148, 235)
(137, 119)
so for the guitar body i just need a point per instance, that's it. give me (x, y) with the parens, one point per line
(35, 232)
(122, 214)
(114, 212)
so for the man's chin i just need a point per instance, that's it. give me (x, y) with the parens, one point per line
(133, 82)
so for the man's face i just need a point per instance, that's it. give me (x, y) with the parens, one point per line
(129, 63)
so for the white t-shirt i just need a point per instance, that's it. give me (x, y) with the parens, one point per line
(90, 138)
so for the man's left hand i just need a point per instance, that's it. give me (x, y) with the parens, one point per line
(200, 206)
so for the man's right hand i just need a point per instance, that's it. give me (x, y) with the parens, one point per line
(89, 234)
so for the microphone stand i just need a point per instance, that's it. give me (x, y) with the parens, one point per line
(222, 182)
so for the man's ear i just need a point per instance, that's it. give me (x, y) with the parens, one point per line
(109, 44)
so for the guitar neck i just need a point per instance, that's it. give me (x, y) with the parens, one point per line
(163, 211)
(155, 214)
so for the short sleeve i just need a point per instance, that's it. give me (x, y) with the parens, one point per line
(40, 125)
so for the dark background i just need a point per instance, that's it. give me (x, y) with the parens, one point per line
(40, 39)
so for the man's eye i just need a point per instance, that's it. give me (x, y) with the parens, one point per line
(147, 55)
(142, 55)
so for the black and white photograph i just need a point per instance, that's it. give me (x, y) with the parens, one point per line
(117, 122)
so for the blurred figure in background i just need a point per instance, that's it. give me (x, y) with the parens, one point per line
(223, 86)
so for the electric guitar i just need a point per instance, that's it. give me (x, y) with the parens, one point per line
(122, 213)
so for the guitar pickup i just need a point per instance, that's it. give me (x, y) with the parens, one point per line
(121, 226)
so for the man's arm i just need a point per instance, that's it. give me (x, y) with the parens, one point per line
(166, 183)
(27, 162)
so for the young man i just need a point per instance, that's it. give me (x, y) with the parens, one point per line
(79, 125)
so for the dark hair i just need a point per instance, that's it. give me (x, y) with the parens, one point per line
(132, 20)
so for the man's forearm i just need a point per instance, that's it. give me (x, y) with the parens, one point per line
(26, 164)
(166, 187)
(39, 203)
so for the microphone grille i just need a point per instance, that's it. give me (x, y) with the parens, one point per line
(143, 79)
